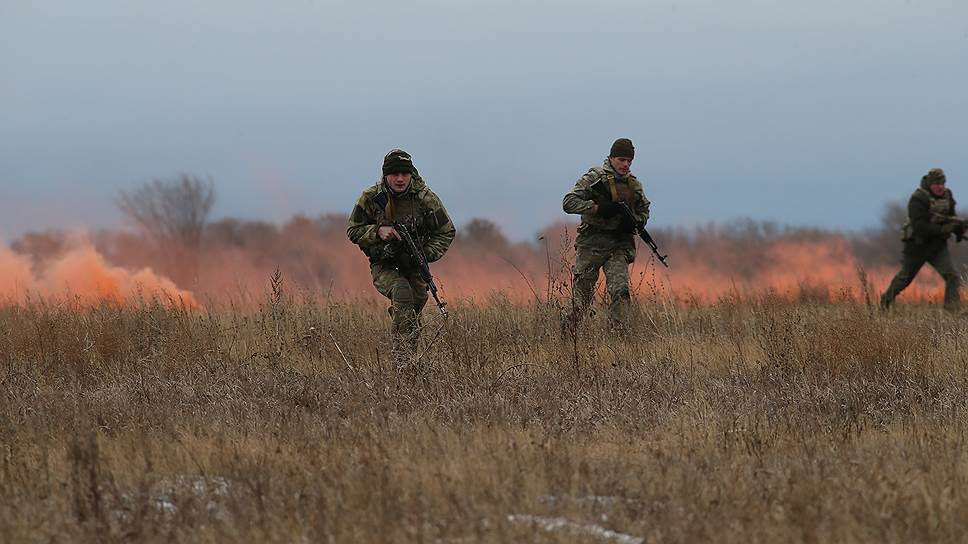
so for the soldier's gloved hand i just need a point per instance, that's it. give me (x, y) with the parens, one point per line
(609, 209)
(949, 228)
(387, 233)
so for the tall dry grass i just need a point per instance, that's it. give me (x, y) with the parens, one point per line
(753, 419)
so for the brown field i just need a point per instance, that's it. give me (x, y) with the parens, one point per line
(757, 418)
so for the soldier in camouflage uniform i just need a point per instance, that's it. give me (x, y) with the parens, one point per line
(605, 238)
(401, 196)
(931, 221)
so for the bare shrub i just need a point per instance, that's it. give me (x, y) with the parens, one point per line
(172, 214)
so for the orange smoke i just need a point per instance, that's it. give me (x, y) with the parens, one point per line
(793, 269)
(81, 275)
(318, 262)
(704, 268)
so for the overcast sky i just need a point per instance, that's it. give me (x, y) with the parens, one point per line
(805, 112)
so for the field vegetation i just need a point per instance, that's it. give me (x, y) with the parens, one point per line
(757, 417)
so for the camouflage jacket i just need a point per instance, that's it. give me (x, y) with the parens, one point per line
(418, 207)
(926, 217)
(601, 185)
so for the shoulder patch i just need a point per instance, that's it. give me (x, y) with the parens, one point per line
(440, 218)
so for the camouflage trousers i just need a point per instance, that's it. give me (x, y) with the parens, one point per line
(612, 254)
(911, 263)
(408, 296)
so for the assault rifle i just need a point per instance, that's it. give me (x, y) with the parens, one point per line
(629, 219)
(960, 224)
(420, 260)
(643, 234)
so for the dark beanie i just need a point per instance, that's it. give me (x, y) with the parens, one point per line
(397, 161)
(622, 148)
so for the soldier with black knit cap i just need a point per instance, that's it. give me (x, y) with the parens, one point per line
(606, 238)
(931, 221)
(400, 196)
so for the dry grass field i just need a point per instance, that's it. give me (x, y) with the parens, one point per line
(753, 419)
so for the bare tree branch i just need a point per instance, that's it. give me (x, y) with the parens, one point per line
(170, 212)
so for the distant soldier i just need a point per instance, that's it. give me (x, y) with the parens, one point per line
(931, 221)
(401, 196)
(606, 236)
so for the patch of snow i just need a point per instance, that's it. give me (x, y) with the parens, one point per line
(165, 491)
(582, 529)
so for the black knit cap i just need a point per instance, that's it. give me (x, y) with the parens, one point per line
(397, 161)
(622, 148)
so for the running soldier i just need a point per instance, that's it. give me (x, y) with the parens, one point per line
(931, 221)
(606, 236)
(401, 196)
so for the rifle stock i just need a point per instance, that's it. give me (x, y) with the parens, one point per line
(423, 268)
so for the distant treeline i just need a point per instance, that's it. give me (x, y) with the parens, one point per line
(234, 257)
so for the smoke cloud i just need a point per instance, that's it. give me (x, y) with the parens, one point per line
(237, 257)
(80, 274)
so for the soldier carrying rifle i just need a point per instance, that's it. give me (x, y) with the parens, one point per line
(931, 221)
(613, 207)
(401, 226)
